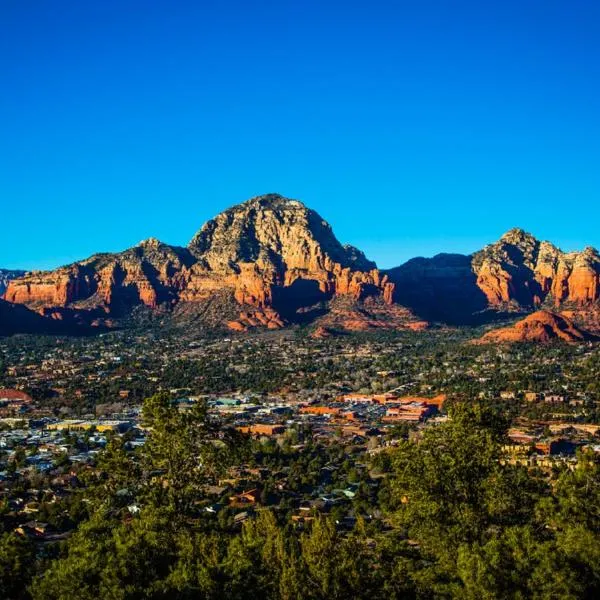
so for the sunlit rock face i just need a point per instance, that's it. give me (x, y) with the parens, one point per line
(520, 269)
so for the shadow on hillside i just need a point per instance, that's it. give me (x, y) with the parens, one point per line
(443, 289)
(301, 302)
(18, 319)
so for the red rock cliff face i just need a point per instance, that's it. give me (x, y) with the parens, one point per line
(270, 242)
(147, 274)
(519, 270)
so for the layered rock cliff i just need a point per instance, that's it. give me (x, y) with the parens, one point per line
(521, 270)
(277, 253)
(149, 274)
(275, 256)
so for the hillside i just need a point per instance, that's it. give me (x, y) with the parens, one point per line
(541, 326)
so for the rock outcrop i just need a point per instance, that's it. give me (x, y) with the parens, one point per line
(373, 314)
(6, 275)
(521, 270)
(541, 326)
(148, 274)
(277, 253)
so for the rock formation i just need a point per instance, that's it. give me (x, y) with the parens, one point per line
(540, 326)
(149, 273)
(516, 273)
(6, 275)
(277, 258)
(276, 253)
(272, 261)
(519, 269)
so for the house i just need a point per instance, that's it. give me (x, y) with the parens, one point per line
(14, 396)
(554, 398)
(33, 529)
(241, 518)
(412, 413)
(319, 410)
(250, 497)
(259, 429)
(557, 446)
(437, 401)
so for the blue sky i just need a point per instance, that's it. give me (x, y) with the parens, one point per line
(412, 127)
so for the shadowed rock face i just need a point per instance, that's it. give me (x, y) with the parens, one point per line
(15, 318)
(274, 255)
(541, 326)
(443, 288)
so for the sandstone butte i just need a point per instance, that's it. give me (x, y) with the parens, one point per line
(272, 261)
(541, 326)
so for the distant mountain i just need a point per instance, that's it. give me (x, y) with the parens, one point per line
(6, 275)
(278, 260)
(271, 262)
(541, 326)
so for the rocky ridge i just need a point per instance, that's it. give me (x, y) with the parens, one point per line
(6, 275)
(271, 261)
(521, 270)
(276, 257)
(515, 274)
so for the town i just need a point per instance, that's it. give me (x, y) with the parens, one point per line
(318, 415)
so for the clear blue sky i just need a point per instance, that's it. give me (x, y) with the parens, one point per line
(413, 127)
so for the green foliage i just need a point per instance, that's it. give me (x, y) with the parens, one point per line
(17, 565)
(461, 523)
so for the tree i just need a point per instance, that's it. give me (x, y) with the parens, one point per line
(17, 565)
(336, 566)
(183, 452)
(123, 561)
(452, 493)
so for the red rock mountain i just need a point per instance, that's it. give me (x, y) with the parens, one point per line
(275, 257)
(516, 273)
(518, 269)
(272, 261)
(540, 326)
